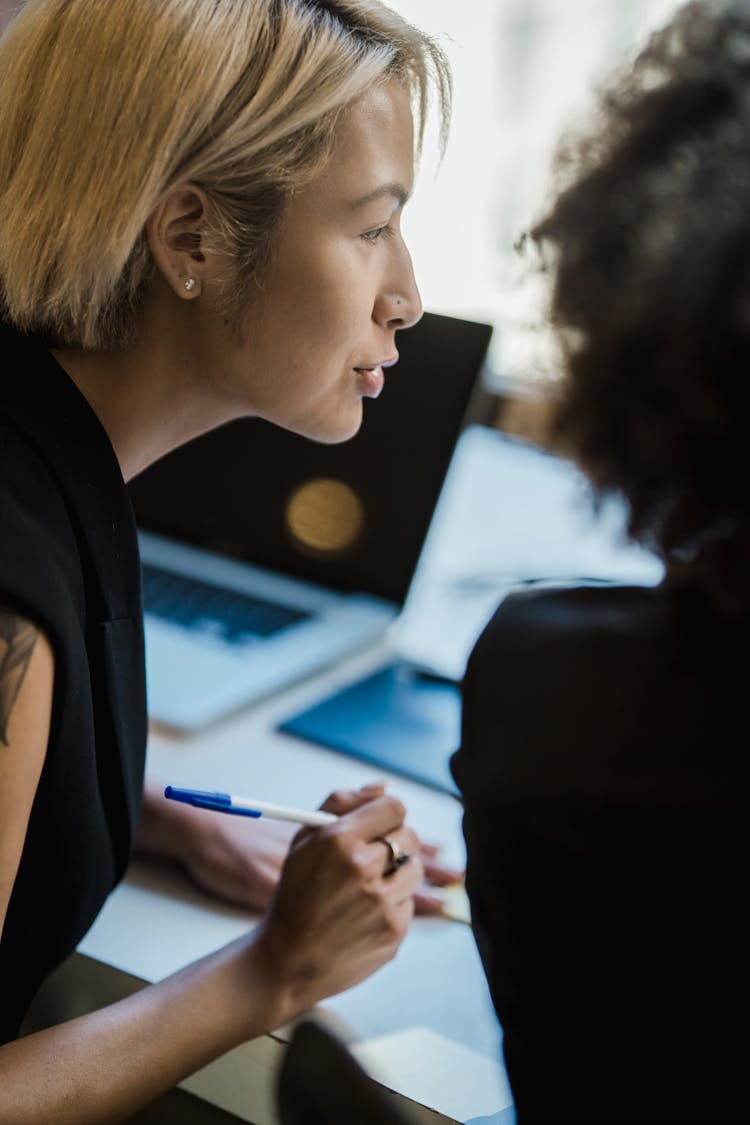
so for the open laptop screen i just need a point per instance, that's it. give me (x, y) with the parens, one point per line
(352, 517)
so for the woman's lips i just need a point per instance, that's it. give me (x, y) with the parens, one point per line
(372, 379)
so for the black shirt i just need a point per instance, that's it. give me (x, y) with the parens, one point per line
(605, 772)
(69, 561)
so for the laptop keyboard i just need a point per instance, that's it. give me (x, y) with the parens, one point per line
(234, 617)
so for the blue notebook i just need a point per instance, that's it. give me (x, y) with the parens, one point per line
(397, 718)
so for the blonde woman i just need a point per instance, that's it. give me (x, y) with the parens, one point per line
(200, 206)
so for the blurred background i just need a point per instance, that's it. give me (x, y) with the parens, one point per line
(524, 70)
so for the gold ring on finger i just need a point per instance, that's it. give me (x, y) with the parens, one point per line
(397, 856)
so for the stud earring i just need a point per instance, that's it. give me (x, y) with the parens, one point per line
(190, 284)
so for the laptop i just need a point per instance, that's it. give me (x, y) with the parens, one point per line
(267, 557)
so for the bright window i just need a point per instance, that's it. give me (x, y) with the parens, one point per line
(522, 69)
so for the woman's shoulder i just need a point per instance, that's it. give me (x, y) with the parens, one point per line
(599, 676)
(557, 688)
(39, 557)
(559, 673)
(32, 503)
(549, 624)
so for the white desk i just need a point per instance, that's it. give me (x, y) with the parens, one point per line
(424, 1023)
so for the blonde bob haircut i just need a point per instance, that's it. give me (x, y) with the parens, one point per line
(105, 105)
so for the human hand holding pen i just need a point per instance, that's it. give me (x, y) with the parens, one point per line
(239, 860)
(342, 895)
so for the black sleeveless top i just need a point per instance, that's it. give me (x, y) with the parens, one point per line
(69, 561)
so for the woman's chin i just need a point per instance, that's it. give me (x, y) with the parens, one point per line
(333, 431)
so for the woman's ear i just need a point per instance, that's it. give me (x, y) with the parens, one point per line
(176, 234)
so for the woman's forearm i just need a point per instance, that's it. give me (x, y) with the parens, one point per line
(339, 912)
(102, 1067)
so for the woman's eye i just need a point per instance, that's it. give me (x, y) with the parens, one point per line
(378, 232)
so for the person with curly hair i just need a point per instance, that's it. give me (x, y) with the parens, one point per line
(604, 761)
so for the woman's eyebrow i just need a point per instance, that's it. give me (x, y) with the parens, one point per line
(398, 191)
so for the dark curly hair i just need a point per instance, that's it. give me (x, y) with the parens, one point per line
(649, 245)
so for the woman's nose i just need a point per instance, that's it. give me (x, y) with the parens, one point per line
(399, 305)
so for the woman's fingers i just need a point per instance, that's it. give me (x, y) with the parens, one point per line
(342, 908)
(440, 876)
(388, 848)
(427, 905)
(436, 874)
(345, 800)
(378, 817)
(393, 850)
(405, 880)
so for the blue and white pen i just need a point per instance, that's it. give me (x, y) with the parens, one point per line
(247, 806)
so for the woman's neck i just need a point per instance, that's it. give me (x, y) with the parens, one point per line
(154, 395)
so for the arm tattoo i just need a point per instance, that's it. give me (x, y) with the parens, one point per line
(17, 639)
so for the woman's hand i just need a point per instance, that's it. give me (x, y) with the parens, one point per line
(235, 859)
(435, 875)
(340, 910)
(231, 858)
(239, 861)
